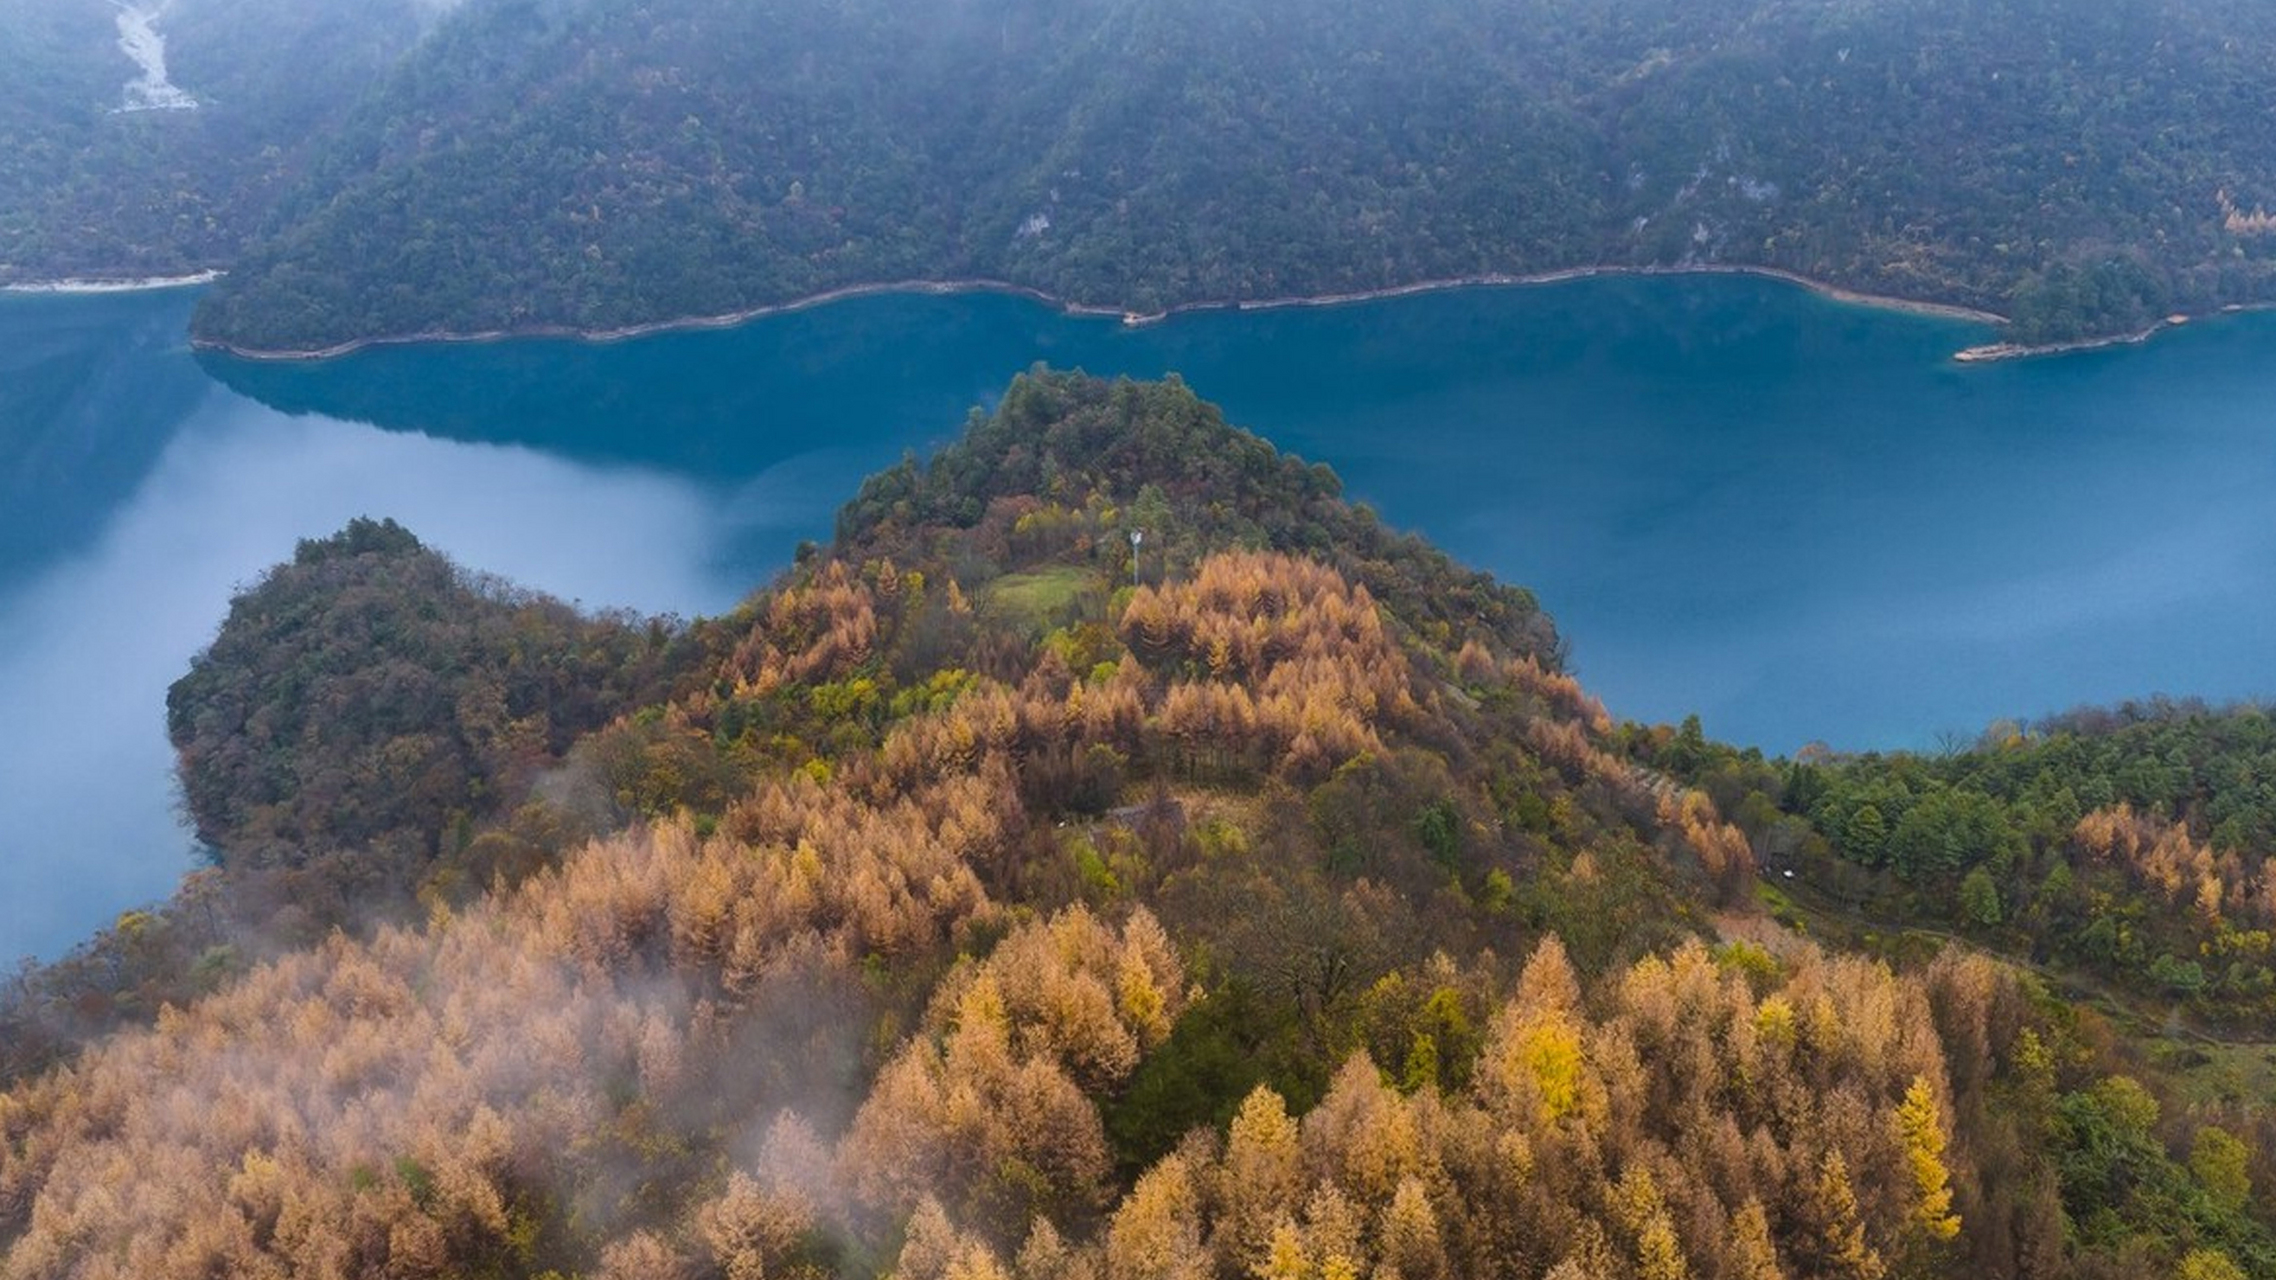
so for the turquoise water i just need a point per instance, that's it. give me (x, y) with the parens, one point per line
(1797, 518)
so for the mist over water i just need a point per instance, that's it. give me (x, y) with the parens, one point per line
(1797, 518)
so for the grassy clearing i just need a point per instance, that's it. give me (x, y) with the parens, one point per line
(1044, 599)
(2208, 1072)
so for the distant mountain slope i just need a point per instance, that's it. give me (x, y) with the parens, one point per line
(2086, 165)
(100, 179)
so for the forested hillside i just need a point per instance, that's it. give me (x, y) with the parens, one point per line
(999, 894)
(2132, 844)
(104, 175)
(2086, 166)
(375, 733)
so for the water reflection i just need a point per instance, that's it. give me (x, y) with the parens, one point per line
(871, 376)
(87, 822)
(91, 389)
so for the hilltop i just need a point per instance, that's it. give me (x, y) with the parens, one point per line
(999, 894)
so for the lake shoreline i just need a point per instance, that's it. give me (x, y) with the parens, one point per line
(685, 324)
(85, 286)
(1985, 353)
(1129, 318)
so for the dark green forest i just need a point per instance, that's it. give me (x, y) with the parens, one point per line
(2127, 843)
(90, 191)
(2083, 166)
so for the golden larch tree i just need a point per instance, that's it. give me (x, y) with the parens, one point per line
(1920, 1132)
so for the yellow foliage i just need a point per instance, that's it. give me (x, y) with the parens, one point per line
(1550, 1052)
(1263, 1177)
(1774, 1023)
(976, 1262)
(1920, 1128)
(1411, 1245)
(1156, 1234)
(1842, 1232)
(1284, 1257)
(1300, 671)
(1658, 1254)
(2208, 1264)
(1754, 1256)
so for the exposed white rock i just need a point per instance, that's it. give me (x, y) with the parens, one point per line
(140, 41)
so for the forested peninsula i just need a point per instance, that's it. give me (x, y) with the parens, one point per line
(596, 165)
(1117, 855)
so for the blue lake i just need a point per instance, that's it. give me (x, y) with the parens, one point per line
(1798, 518)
